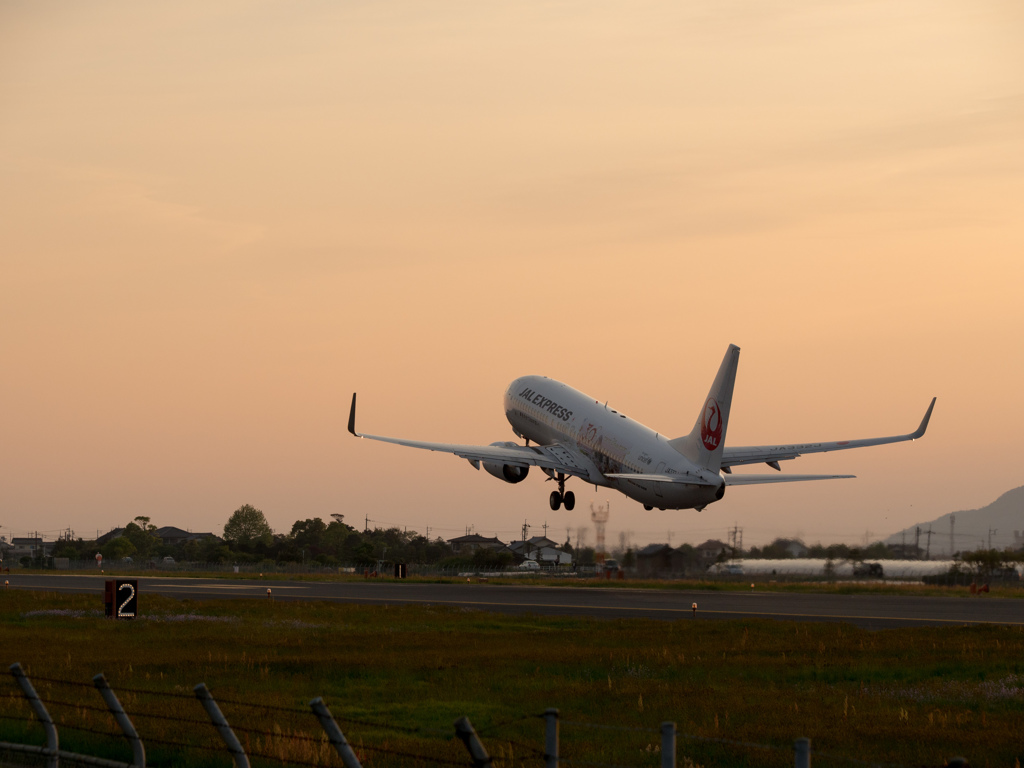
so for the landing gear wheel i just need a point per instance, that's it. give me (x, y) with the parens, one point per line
(555, 500)
(648, 507)
(569, 499)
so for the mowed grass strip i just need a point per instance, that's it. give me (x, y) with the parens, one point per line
(396, 678)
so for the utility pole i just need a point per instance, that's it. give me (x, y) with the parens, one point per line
(928, 553)
(545, 527)
(917, 543)
(366, 525)
(990, 532)
(526, 528)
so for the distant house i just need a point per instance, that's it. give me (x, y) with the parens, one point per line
(654, 560)
(542, 549)
(462, 545)
(113, 533)
(711, 550)
(29, 546)
(172, 537)
(523, 548)
(550, 555)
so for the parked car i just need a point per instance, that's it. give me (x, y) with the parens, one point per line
(611, 565)
(168, 560)
(529, 565)
(127, 560)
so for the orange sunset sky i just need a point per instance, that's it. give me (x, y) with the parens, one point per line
(219, 219)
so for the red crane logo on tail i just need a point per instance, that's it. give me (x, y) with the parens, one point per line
(711, 425)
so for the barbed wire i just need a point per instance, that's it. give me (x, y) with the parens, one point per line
(600, 727)
(537, 753)
(530, 751)
(15, 717)
(77, 684)
(172, 718)
(730, 742)
(185, 745)
(231, 702)
(857, 760)
(73, 705)
(439, 760)
(589, 764)
(86, 729)
(506, 723)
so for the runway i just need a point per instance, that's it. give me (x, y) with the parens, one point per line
(867, 611)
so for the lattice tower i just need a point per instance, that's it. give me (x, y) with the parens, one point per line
(600, 516)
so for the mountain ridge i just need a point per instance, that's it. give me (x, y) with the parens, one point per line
(971, 527)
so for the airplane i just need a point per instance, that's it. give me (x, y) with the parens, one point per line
(574, 435)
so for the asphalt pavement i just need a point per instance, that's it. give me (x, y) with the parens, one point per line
(867, 611)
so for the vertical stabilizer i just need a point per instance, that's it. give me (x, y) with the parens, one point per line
(703, 446)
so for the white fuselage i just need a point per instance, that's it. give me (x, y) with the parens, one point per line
(546, 411)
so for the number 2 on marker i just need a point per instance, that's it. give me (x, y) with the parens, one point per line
(120, 608)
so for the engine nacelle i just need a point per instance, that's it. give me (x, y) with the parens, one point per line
(506, 472)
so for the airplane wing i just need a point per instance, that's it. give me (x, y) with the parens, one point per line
(761, 479)
(681, 479)
(773, 454)
(558, 458)
(687, 479)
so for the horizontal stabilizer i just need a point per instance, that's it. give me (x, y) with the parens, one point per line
(684, 479)
(761, 479)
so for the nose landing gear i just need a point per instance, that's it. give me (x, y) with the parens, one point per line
(561, 496)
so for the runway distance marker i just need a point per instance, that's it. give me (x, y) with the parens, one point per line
(121, 598)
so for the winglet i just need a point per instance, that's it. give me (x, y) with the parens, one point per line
(352, 417)
(924, 422)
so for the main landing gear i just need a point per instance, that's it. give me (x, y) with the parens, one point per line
(561, 496)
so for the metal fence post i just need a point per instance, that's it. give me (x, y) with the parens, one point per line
(668, 745)
(551, 738)
(337, 738)
(464, 730)
(138, 751)
(52, 742)
(802, 750)
(217, 718)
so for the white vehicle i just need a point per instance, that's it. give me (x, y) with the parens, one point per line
(529, 565)
(576, 436)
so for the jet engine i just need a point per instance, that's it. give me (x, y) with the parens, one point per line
(506, 472)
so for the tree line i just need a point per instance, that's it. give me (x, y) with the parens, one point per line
(248, 538)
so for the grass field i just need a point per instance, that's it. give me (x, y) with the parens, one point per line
(397, 678)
